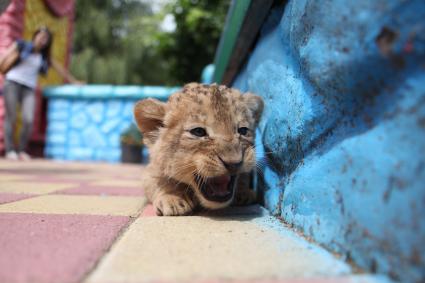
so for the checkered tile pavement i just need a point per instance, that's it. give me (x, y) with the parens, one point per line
(79, 222)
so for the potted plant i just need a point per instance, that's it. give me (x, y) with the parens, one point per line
(131, 145)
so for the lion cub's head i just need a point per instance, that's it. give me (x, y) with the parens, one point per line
(203, 137)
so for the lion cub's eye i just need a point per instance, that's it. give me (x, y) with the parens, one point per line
(199, 132)
(243, 131)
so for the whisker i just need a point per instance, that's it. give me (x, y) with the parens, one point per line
(201, 175)
(262, 162)
(259, 170)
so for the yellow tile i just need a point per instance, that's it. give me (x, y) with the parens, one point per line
(33, 187)
(13, 177)
(82, 167)
(118, 183)
(61, 204)
(8, 164)
(192, 249)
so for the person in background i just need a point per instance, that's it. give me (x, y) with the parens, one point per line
(19, 87)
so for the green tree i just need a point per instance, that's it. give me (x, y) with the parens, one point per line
(115, 42)
(123, 41)
(192, 45)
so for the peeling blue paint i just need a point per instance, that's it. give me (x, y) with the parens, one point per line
(344, 127)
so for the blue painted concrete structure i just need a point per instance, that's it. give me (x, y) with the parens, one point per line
(344, 127)
(207, 74)
(85, 122)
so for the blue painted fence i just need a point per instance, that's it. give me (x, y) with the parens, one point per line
(85, 122)
(344, 127)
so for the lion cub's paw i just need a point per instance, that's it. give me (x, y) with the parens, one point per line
(245, 197)
(172, 205)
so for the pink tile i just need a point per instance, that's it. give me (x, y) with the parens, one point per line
(53, 248)
(8, 197)
(149, 211)
(54, 179)
(99, 190)
(136, 177)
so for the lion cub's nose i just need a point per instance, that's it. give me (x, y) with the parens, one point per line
(231, 165)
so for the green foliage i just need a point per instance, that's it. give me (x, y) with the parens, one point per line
(192, 46)
(121, 41)
(115, 43)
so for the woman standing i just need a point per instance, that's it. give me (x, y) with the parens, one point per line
(33, 58)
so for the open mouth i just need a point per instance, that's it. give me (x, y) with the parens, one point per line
(218, 189)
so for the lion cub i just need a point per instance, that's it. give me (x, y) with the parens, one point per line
(201, 145)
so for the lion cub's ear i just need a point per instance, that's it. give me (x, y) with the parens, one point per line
(149, 114)
(255, 104)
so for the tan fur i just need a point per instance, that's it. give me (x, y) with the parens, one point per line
(176, 154)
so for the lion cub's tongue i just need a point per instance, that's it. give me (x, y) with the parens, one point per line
(220, 184)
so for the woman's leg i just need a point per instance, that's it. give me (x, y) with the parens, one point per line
(11, 97)
(28, 108)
